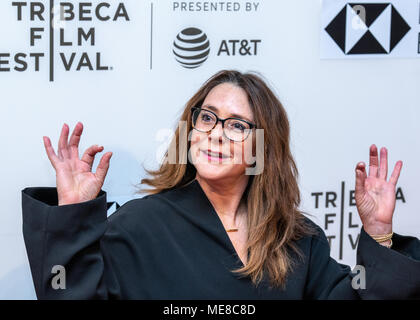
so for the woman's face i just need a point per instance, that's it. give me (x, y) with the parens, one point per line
(225, 100)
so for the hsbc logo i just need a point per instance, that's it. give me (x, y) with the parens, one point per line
(372, 29)
(368, 28)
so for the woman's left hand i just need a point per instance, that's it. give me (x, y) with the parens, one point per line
(375, 196)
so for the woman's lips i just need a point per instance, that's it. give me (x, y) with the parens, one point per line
(214, 155)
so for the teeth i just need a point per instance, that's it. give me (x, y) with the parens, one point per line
(214, 154)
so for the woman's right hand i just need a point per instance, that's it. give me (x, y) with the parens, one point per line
(75, 180)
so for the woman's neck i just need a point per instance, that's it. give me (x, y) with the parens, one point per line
(225, 196)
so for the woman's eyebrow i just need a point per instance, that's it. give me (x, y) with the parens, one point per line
(235, 115)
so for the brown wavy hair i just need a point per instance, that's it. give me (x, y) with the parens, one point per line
(274, 221)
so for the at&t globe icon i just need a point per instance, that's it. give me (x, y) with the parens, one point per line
(191, 48)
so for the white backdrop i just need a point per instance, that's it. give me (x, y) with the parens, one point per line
(337, 108)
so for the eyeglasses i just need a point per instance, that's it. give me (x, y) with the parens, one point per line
(204, 120)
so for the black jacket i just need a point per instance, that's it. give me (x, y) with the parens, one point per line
(173, 245)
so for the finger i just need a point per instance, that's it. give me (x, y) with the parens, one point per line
(75, 139)
(50, 151)
(396, 173)
(360, 179)
(383, 165)
(89, 155)
(62, 143)
(103, 166)
(373, 161)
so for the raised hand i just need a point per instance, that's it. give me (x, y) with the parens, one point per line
(375, 196)
(75, 180)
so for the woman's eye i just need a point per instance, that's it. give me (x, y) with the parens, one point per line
(205, 117)
(238, 126)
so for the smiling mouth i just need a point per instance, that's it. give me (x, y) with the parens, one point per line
(214, 155)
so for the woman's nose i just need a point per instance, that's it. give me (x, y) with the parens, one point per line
(217, 132)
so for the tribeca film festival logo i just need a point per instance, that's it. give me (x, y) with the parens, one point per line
(56, 18)
(368, 28)
(192, 47)
(340, 208)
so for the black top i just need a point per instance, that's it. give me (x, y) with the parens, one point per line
(173, 245)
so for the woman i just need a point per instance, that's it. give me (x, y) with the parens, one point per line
(207, 229)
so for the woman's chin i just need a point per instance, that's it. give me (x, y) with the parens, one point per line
(212, 171)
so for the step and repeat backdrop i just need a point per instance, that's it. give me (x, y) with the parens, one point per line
(348, 74)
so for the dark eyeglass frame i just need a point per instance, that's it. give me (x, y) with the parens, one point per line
(251, 125)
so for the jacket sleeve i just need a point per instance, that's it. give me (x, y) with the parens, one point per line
(72, 238)
(380, 272)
